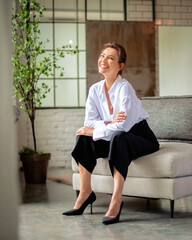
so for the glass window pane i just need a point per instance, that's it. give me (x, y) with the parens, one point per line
(93, 10)
(82, 64)
(82, 41)
(46, 30)
(67, 90)
(82, 92)
(81, 10)
(112, 10)
(65, 10)
(49, 100)
(48, 13)
(69, 62)
(65, 32)
(47, 3)
(66, 93)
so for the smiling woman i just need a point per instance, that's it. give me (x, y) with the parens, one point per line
(115, 127)
(112, 60)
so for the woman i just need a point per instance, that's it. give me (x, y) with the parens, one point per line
(115, 127)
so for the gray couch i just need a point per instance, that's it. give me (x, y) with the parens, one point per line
(165, 174)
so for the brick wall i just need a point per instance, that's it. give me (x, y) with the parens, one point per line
(55, 133)
(139, 10)
(168, 12)
(56, 128)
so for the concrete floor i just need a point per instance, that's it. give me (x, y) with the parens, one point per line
(40, 216)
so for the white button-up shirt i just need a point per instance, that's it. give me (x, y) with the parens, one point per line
(123, 98)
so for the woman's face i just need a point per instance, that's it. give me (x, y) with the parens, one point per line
(108, 62)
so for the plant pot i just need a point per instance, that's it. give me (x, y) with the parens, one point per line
(35, 167)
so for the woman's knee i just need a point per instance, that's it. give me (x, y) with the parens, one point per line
(118, 135)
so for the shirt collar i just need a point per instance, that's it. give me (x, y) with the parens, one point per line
(102, 88)
(113, 87)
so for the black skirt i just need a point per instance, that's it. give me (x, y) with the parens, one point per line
(120, 150)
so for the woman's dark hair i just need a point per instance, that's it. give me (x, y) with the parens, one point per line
(120, 49)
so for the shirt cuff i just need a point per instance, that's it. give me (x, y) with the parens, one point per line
(99, 131)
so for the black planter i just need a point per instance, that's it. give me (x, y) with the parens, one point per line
(35, 167)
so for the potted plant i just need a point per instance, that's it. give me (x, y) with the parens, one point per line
(29, 63)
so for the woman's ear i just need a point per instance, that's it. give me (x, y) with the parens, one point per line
(122, 65)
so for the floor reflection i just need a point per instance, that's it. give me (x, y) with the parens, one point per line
(33, 193)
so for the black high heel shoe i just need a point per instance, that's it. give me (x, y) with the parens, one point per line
(79, 211)
(108, 220)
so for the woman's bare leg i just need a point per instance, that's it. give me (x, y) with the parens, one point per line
(116, 199)
(85, 186)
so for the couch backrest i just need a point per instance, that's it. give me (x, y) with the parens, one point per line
(170, 117)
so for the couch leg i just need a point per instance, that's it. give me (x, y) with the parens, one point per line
(77, 193)
(172, 207)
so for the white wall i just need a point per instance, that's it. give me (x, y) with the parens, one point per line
(175, 60)
(8, 163)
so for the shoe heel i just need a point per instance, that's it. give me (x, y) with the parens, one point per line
(89, 200)
(108, 220)
(91, 208)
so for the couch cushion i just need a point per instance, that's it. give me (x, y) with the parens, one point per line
(170, 117)
(172, 160)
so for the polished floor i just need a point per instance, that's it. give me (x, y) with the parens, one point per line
(40, 216)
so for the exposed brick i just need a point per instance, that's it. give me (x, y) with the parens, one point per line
(131, 8)
(142, 8)
(181, 22)
(187, 15)
(162, 2)
(162, 15)
(175, 15)
(186, 2)
(135, 15)
(170, 22)
(149, 2)
(168, 9)
(147, 15)
(175, 2)
(138, 2)
(158, 9)
(181, 9)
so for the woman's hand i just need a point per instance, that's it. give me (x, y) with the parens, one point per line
(120, 116)
(86, 131)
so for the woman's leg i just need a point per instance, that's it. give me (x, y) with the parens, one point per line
(85, 186)
(85, 153)
(125, 147)
(116, 199)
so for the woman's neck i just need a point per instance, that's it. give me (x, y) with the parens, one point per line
(109, 80)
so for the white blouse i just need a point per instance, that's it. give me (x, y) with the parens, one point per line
(123, 98)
